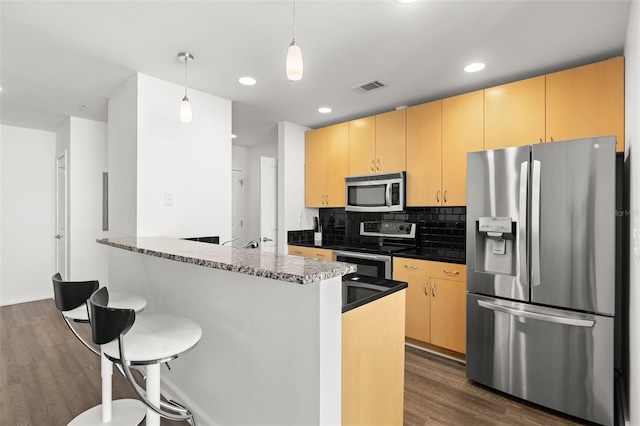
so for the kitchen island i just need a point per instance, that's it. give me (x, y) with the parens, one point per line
(270, 352)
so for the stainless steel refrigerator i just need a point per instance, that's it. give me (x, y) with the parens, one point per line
(541, 274)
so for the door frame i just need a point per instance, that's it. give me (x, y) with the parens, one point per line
(62, 157)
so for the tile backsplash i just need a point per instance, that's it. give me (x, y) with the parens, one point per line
(441, 230)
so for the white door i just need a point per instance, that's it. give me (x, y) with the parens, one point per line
(268, 204)
(62, 257)
(237, 215)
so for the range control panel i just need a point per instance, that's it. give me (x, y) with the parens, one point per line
(388, 229)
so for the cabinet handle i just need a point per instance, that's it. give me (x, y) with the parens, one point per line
(433, 289)
(444, 196)
(551, 139)
(326, 199)
(373, 165)
(378, 168)
(410, 267)
(438, 196)
(451, 272)
(321, 255)
(541, 141)
(426, 288)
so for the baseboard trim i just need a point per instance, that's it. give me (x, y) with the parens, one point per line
(24, 298)
(170, 391)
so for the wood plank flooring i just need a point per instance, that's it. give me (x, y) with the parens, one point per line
(47, 378)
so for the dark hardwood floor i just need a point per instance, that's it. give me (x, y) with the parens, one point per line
(47, 378)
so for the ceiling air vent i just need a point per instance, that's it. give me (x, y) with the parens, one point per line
(368, 87)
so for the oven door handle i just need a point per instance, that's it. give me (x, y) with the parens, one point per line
(362, 256)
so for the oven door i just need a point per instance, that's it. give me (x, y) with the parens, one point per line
(372, 265)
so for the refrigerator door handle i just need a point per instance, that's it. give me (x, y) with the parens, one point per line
(521, 255)
(535, 224)
(536, 316)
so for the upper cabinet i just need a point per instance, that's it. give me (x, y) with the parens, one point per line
(514, 114)
(377, 144)
(424, 154)
(462, 132)
(326, 165)
(586, 101)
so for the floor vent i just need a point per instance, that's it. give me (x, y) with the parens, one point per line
(368, 87)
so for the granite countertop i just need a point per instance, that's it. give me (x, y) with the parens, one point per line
(295, 269)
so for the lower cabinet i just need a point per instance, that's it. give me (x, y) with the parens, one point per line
(436, 302)
(373, 362)
(312, 252)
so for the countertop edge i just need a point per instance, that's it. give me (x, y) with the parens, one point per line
(279, 275)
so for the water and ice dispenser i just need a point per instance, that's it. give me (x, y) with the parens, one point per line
(495, 245)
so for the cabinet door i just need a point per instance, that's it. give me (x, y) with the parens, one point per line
(418, 311)
(462, 132)
(362, 146)
(448, 314)
(514, 114)
(337, 163)
(314, 157)
(424, 154)
(391, 141)
(587, 101)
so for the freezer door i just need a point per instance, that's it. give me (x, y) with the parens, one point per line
(573, 224)
(497, 193)
(555, 358)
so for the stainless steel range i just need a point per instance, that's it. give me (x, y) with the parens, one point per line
(373, 255)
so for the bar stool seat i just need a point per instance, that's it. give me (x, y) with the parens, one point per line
(147, 340)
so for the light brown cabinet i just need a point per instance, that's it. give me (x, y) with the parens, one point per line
(311, 252)
(462, 132)
(586, 101)
(326, 165)
(436, 302)
(424, 154)
(377, 144)
(514, 114)
(373, 362)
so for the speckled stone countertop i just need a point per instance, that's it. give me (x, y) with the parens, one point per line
(279, 267)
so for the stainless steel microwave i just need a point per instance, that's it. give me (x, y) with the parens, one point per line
(375, 193)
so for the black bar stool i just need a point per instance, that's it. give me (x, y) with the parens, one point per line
(147, 340)
(71, 300)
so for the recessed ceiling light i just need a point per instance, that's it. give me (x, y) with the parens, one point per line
(324, 110)
(474, 67)
(407, 1)
(247, 81)
(233, 136)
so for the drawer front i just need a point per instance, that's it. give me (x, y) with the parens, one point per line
(448, 271)
(410, 266)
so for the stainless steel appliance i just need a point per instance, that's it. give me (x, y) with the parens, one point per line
(373, 255)
(375, 193)
(541, 274)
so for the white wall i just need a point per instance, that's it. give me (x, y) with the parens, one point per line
(152, 153)
(632, 155)
(27, 218)
(239, 163)
(292, 214)
(252, 191)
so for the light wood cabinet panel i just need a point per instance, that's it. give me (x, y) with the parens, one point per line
(448, 305)
(417, 312)
(587, 101)
(514, 114)
(326, 165)
(314, 167)
(373, 362)
(391, 141)
(424, 154)
(436, 302)
(462, 132)
(362, 146)
(336, 163)
(311, 252)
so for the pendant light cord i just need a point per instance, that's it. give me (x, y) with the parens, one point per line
(294, 20)
(186, 59)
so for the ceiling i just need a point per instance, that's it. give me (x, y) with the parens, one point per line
(58, 56)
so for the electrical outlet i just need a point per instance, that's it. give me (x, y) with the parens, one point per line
(168, 199)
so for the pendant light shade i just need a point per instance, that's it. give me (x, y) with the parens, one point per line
(185, 106)
(294, 62)
(294, 54)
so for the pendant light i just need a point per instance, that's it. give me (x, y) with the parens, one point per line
(185, 105)
(294, 54)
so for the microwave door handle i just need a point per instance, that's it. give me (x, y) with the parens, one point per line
(388, 194)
